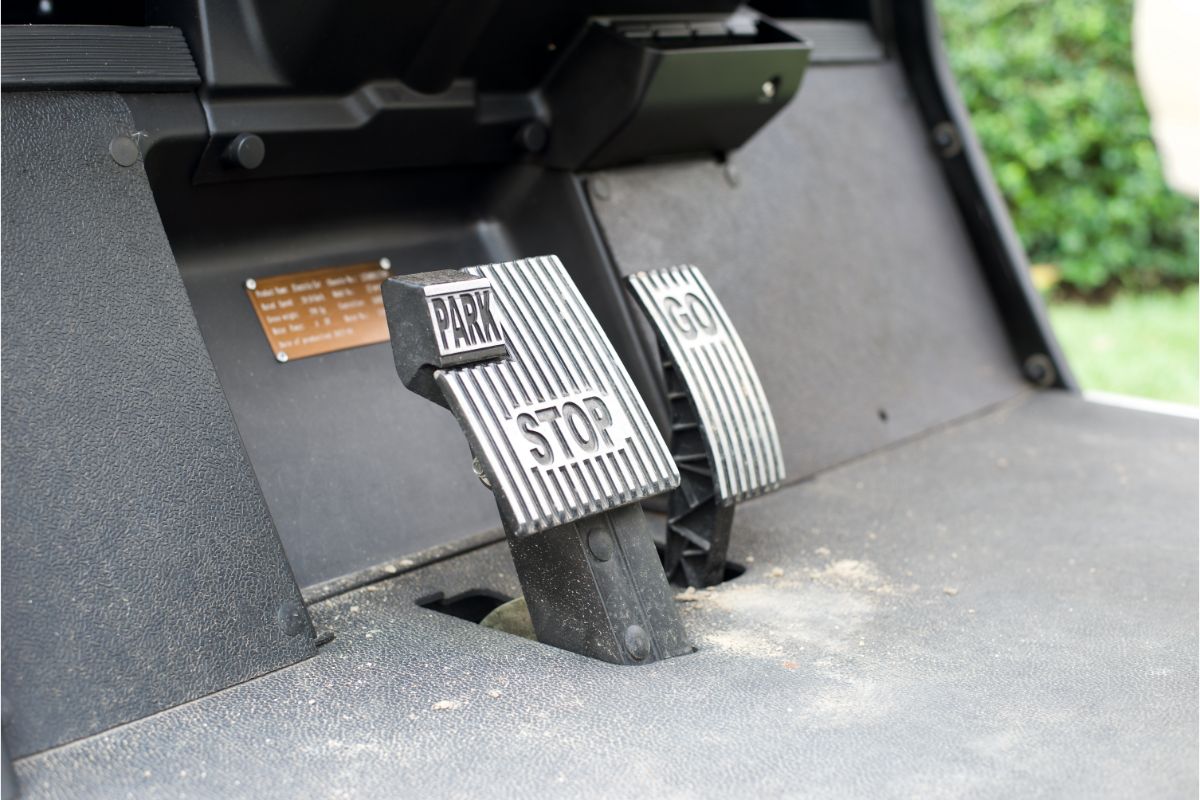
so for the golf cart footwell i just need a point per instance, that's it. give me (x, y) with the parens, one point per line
(971, 612)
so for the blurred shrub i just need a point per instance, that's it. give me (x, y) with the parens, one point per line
(1053, 96)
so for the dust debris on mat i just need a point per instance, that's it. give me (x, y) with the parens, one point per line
(854, 574)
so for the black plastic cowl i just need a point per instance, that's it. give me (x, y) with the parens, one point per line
(632, 90)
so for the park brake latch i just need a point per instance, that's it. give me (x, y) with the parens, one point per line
(561, 437)
(723, 433)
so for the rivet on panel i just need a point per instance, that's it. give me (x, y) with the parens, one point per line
(636, 642)
(124, 151)
(946, 139)
(533, 136)
(600, 543)
(1040, 369)
(246, 151)
(732, 176)
(600, 188)
(291, 618)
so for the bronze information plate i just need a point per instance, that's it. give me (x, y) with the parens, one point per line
(322, 310)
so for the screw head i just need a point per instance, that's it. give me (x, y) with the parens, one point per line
(281, 357)
(770, 88)
(385, 263)
(637, 643)
(600, 543)
(251, 284)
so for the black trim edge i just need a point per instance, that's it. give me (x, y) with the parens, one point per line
(919, 45)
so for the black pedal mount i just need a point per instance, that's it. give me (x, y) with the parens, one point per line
(723, 435)
(561, 437)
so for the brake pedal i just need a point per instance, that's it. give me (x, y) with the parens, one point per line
(723, 440)
(561, 437)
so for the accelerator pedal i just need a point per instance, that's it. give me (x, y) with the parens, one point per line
(723, 435)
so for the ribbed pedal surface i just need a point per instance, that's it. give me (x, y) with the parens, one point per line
(559, 427)
(734, 415)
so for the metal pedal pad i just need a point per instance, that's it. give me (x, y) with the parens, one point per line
(724, 439)
(560, 436)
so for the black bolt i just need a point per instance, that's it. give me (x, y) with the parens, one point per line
(246, 151)
(124, 151)
(601, 544)
(291, 618)
(533, 136)
(636, 642)
(1039, 369)
(945, 137)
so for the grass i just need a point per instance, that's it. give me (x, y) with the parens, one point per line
(1138, 344)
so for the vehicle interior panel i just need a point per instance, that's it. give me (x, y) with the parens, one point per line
(227, 576)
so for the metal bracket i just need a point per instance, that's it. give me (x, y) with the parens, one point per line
(559, 435)
(723, 439)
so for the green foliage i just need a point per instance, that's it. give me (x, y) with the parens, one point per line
(1142, 344)
(1053, 97)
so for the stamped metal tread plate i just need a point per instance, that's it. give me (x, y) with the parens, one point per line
(561, 438)
(559, 429)
(739, 429)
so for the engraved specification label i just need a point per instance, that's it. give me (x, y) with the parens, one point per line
(320, 311)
